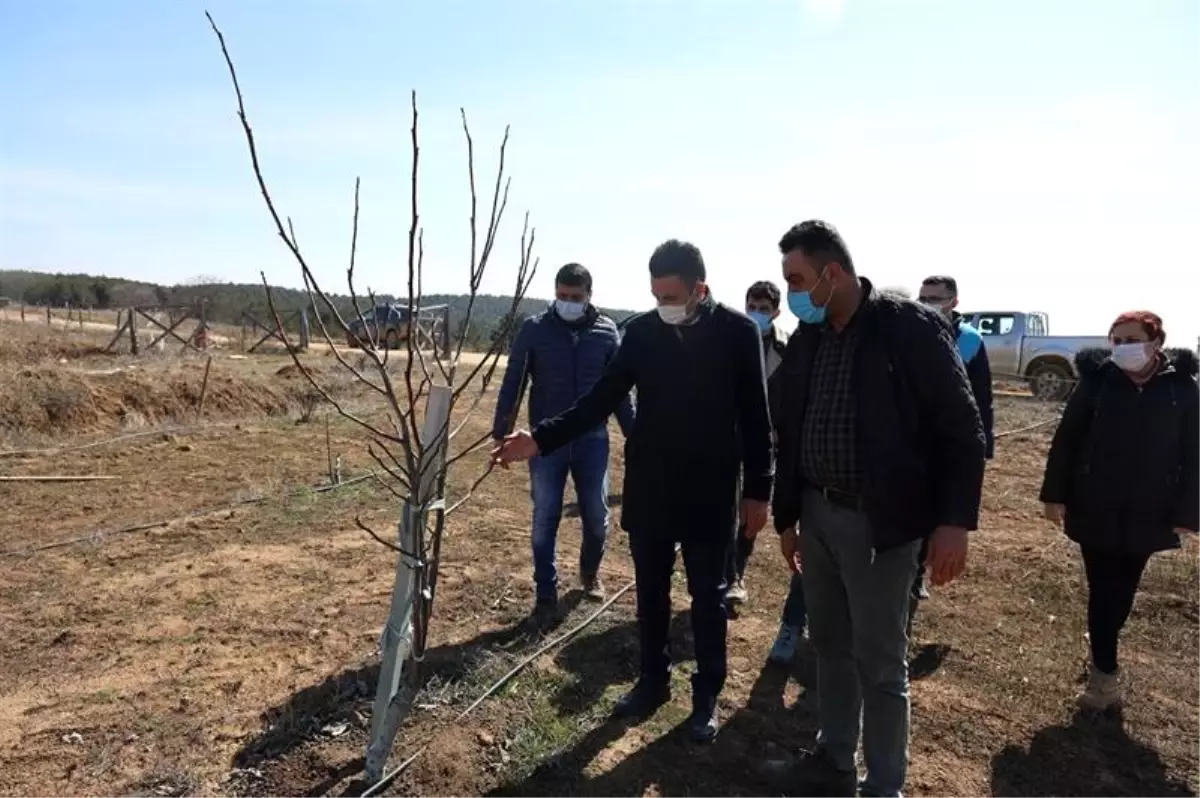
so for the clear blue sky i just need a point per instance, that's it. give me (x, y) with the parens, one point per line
(1036, 150)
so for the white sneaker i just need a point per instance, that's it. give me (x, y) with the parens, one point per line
(736, 592)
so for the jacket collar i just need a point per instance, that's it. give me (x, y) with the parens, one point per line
(773, 338)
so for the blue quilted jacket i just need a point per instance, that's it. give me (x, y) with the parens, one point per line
(562, 362)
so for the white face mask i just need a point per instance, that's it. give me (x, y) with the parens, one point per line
(673, 314)
(940, 307)
(1131, 357)
(569, 311)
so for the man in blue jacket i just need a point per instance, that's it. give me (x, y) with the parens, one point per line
(562, 352)
(940, 293)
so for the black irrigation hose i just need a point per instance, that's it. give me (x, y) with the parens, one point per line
(392, 775)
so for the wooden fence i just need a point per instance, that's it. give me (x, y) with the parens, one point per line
(128, 323)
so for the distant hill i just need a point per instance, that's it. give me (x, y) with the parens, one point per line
(227, 301)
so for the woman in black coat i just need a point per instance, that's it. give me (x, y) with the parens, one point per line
(1122, 475)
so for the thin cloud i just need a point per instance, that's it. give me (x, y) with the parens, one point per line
(824, 13)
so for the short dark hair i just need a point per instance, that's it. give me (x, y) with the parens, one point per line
(574, 275)
(764, 289)
(680, 259)
(819, 240)
(949, 283)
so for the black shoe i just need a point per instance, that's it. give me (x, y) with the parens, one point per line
(702, 725)
(642, 701)
(811, 773)
(544, 611)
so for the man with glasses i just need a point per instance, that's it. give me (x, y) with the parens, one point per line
(940, 293)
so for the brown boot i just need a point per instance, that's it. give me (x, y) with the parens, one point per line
(593, 588)
(1103, 691)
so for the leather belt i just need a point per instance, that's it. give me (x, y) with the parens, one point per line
(842, 498)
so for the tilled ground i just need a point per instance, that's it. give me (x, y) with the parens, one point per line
(234, 651)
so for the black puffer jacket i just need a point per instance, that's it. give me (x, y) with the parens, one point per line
(1124, 459)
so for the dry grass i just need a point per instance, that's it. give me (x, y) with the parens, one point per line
(234, 650)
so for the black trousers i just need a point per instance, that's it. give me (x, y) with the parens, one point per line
(739, 555)
(1112, 579)
(705, 560)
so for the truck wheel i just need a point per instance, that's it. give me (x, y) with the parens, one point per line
(1051, 382)
(392, 341)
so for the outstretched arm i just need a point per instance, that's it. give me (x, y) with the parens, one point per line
(625, 412)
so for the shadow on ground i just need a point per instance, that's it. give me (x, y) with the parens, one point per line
(1092, 755)
(926, 661)
(670, 764)
(342, 702)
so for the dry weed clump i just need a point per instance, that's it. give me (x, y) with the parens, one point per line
(55, 401)
(27, 348)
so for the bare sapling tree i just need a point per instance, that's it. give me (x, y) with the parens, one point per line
(428, 396)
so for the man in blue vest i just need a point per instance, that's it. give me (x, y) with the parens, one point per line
(562, 352)
(940, 293)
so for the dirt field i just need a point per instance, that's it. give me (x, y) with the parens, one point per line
(229, 647)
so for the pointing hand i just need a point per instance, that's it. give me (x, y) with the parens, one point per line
(518, 446)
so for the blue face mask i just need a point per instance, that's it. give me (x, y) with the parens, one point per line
(801, 304)
(761, 319)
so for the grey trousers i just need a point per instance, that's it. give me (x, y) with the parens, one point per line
(857, 611)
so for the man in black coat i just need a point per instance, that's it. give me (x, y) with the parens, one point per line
(702, 419)
(880, 447)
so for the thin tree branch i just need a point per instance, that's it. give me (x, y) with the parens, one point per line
(470, 448)
(308, 375)
(474, 486)
(289, 241)
(395, 474)
(359, 523)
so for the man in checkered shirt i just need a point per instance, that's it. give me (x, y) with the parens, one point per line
(880, 448)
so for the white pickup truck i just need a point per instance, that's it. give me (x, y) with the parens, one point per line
(1019, 345)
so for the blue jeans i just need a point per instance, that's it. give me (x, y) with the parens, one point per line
(857, 611)
(586, 460)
